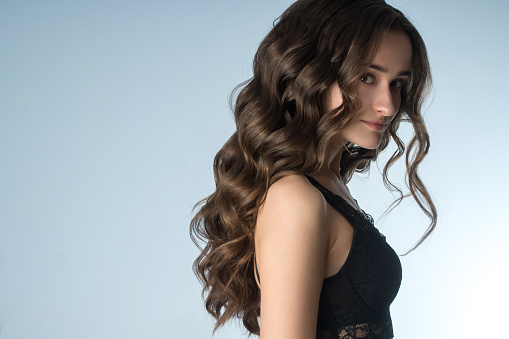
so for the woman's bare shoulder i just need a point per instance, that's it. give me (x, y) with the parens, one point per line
(297, 191)
(292, 206)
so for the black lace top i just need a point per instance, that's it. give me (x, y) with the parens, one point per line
(354, 303)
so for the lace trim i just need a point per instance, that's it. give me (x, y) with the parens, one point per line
(352, 211)
(356, 218)
(359, 331)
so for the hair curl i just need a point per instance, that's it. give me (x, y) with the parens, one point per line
(282, 127)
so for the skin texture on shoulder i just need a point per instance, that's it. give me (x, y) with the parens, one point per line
(291, 241)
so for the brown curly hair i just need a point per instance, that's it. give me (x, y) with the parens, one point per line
(282, 128)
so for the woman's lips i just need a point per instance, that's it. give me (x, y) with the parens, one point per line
(376, 125)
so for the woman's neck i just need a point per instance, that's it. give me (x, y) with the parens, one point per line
(332, 164)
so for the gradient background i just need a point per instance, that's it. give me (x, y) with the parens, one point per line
(111, 113)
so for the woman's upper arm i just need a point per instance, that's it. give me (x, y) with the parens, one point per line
(291, 247)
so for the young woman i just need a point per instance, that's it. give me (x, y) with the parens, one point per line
(288, 249)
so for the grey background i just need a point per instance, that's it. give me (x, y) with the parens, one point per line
(111, 113)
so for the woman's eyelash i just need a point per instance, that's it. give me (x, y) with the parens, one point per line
(369, 79)
(400, 83)
(365, 78)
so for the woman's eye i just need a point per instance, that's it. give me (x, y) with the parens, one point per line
(368, 79)
(398, 83)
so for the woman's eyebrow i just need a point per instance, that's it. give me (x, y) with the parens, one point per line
(385, 70)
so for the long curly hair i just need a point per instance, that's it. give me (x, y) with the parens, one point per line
(282, 128)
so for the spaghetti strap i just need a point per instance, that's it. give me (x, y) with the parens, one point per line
(353, 215)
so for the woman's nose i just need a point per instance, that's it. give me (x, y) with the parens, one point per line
(384, 101)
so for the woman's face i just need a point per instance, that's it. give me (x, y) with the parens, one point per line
(379, 91)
